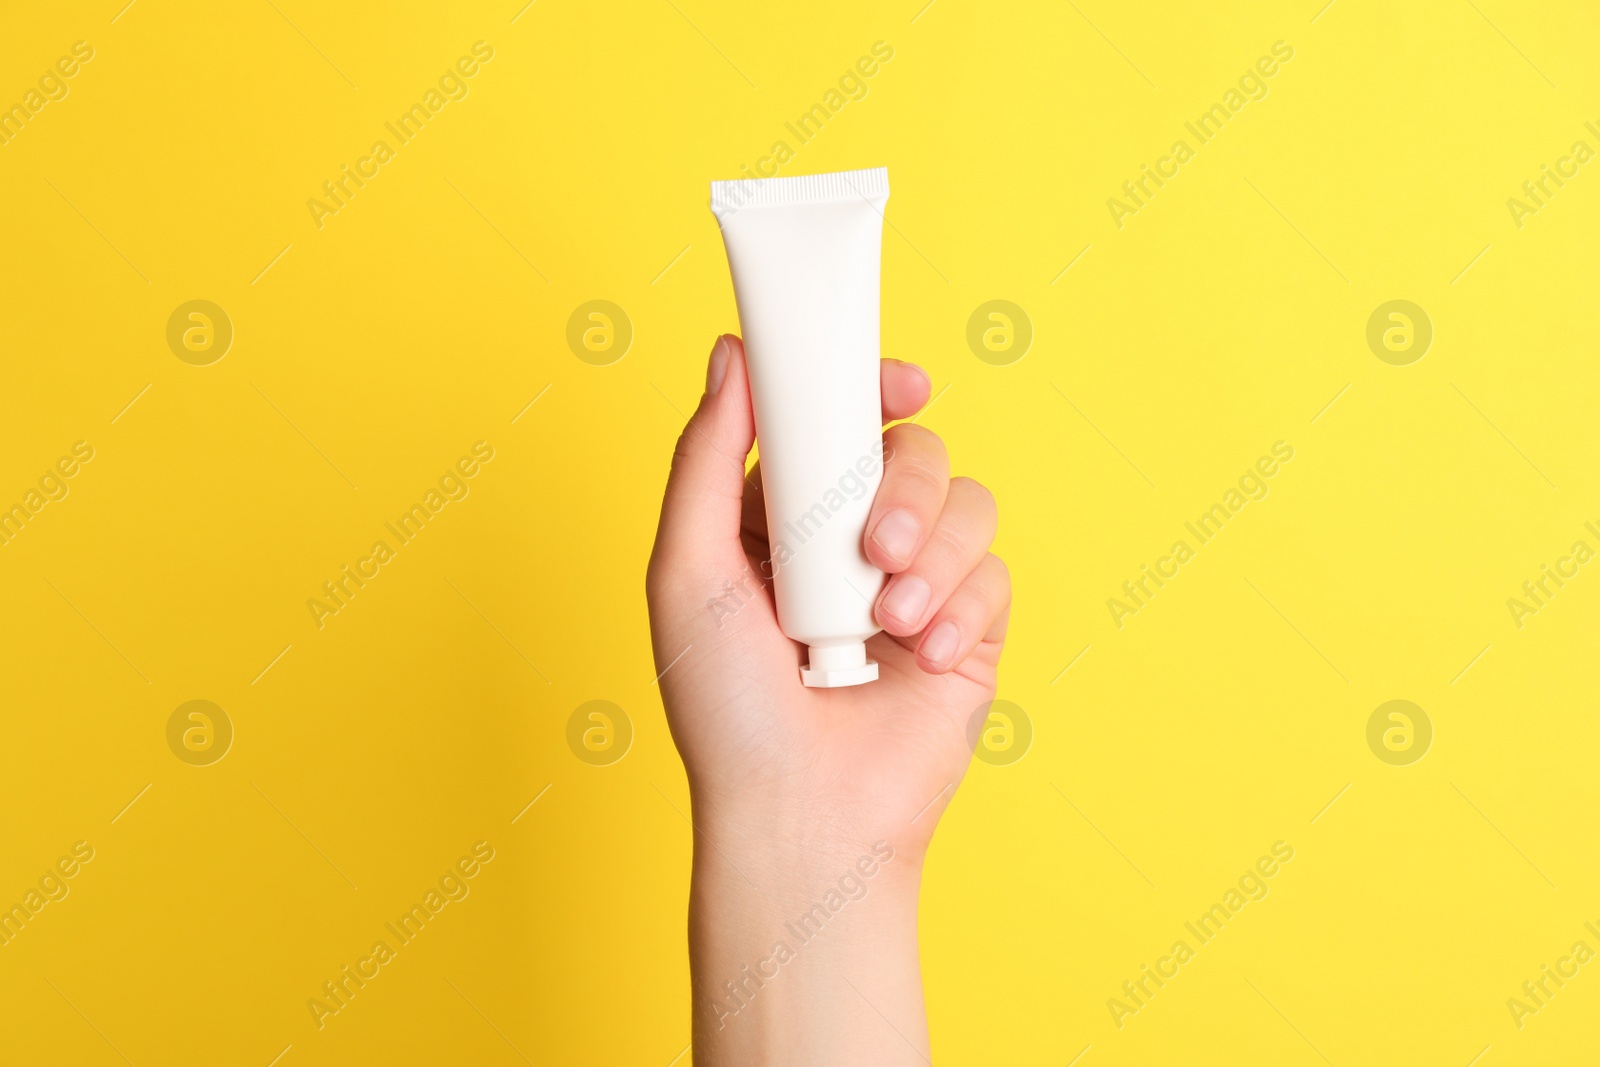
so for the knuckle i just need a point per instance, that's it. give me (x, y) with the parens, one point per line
(906, 432)
(976, 496)
(913, 440)
(974, 489)
(912, 476)
(657, 577)
(950, 539)
(682, 451)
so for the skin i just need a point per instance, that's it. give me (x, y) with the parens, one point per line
(797, 792)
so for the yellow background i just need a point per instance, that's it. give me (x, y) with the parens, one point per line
(426, 715)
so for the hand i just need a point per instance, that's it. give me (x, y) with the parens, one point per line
(791, 786)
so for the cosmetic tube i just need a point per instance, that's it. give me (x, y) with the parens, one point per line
(805, 253)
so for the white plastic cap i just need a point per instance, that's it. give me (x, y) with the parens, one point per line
(833, 666)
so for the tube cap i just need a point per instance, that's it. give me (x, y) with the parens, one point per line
(833, 666)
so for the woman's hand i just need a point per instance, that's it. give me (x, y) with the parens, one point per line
(796, 790)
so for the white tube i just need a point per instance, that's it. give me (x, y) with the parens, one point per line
(804, 253)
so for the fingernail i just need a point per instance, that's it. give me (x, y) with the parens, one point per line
(939, 647)
(896, 533)
(907, 598)
(717, 369)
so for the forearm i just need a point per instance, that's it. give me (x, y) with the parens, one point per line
(803, 949)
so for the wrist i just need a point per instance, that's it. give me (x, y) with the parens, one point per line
(776, 848)
(785, 917)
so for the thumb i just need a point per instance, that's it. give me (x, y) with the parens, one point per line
(702, 508)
